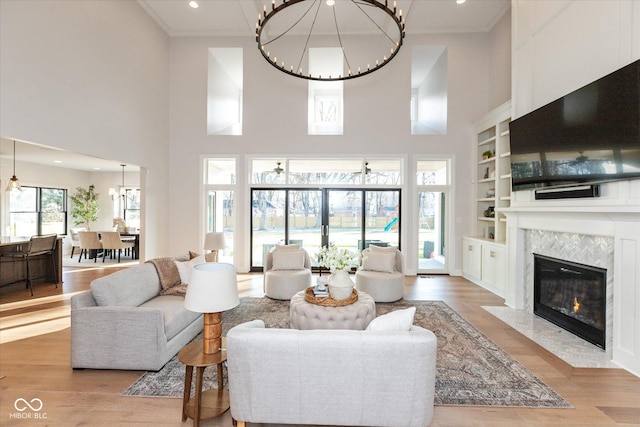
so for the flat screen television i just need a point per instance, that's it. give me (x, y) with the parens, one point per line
(590, 135)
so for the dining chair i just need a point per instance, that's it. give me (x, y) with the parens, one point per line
(75, 239)
(111, 241)
(89, 241)
(37, 246)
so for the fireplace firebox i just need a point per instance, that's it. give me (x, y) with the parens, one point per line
(571, 295)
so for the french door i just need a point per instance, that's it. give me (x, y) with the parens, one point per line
(432, 231)
(348, 218)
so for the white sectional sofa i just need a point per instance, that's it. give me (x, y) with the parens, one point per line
(124, 323)
(331, 377)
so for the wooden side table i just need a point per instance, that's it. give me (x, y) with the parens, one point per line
(212, 402)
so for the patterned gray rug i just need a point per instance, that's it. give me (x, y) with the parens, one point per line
(471, 369)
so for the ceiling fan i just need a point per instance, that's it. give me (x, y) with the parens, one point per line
(367, 169)
(278, 169)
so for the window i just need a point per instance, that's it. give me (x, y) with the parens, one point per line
(132, 207)
(325, 98)
(219, 207)
(225, 91)
(357, 171)
(36, 211)
(429, 90)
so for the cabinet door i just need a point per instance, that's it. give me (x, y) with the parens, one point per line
(493, 268)
(472, 259)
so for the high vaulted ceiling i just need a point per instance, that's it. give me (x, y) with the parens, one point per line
(238, 17)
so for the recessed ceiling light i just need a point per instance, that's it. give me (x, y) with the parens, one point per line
(57, 161)
(460, 1)
(331, 2)
(193, 4)
(96, 169)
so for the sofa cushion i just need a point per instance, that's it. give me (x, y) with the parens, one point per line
(176, 317)
(398, 320)
(380, 261)
(128, 288)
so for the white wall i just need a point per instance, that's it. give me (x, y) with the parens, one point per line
(500, 62)
(376, 122)
(561, 46)
(91, 77)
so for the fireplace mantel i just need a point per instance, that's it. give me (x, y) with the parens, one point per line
(619, 222)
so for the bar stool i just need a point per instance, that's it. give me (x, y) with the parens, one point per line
(38, 245)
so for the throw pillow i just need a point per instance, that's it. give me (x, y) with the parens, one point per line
(295, 247)
(374, 248)
(184, 270)
(379, 261)
(193, 255)
(399, 320)
(288, 260)
(185, 267)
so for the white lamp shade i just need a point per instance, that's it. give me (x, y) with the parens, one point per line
(214, 241)
(213, 288)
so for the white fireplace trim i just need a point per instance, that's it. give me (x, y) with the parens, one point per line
(622, 224)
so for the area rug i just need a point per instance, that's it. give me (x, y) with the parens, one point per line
(471, 369)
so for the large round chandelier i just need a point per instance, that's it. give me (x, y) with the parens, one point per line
(369, 34)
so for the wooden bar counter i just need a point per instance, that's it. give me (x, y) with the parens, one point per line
(13, 270)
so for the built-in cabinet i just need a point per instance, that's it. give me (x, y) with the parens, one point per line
(484, 263)
(483, 257)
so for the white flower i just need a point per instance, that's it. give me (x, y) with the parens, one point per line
(335, 259)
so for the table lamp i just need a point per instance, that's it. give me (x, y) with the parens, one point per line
(213, 242)
(213, 288)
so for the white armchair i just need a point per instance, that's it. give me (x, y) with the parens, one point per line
(381, 274)
(287, 271)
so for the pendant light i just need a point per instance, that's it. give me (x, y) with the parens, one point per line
(123, 191)
(13, 182)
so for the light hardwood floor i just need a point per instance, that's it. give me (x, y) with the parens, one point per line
(34, 363)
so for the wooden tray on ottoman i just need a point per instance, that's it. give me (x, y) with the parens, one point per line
(328, 301)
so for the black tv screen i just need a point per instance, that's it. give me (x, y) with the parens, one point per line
(590, 135)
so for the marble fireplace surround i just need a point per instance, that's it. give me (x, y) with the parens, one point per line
(606, 237)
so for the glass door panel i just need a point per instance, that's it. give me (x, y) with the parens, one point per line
(267, 222)
(305, 220)
(221, 218)
(315, 218)
(382, 219)
(431, 234)
(345, 218)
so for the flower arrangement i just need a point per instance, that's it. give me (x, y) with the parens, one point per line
(335, 259)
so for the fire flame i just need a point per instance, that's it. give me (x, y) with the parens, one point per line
(576, 305)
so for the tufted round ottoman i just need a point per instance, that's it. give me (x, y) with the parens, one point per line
(304, 315)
